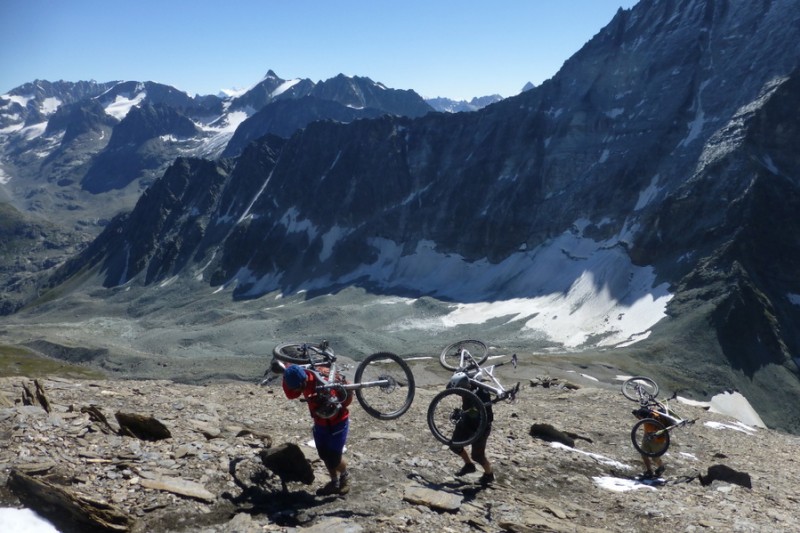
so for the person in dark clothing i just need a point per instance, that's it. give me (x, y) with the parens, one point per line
(331, 424)
(653, 443)
(467, 426)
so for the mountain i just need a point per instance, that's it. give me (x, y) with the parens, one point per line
(296, 103)
(77, 154)
(638, 206)
(30, 247)
(455, 106)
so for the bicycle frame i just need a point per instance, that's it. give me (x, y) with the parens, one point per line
(468, 364)
(648, 401)
(383, 383)
(662, 407)
(329, 361)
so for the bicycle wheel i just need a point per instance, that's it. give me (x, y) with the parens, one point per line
(294, 352)
(450, 422)
(650, 437)
(387, 385)
(639, 388)
(450, 357)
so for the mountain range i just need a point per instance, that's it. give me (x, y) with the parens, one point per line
(640, 205)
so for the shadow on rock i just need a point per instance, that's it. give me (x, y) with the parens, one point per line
(264, 486)
(726, 474)
(548, 433)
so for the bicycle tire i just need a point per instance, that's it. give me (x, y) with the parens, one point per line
(643, 441)
(291, 352)
(629, 388)
(387, 401)
(446, 411)
(449, 358)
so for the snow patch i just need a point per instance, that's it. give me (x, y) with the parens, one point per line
(616, 484)
(121, 105)
(770, 165)
(737, 427)
(588, 292)
(34, 131)
(50, 105)
(291, 219)
(732, 404)
(283, 87)
(24, 521)
(330, 238)
(648, 194)
(600, 458)
(696, 125)
(232, 93)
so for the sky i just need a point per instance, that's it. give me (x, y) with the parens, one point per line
(454, 49)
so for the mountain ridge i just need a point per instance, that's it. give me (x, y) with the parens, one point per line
(619, 206)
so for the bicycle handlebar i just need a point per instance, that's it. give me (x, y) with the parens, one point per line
(510, 394)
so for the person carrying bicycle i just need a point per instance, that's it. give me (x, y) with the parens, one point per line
(331, 423)
(652, 443)
(466, 426)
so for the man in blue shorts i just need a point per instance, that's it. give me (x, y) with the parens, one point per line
(331, 423)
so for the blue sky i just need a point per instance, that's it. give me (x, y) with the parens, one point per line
(457, 49)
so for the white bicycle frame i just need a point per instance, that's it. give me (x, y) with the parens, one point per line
(467, 363)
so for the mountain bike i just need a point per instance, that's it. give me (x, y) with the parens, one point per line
(383, 382)
(458, 405)
(651, 434)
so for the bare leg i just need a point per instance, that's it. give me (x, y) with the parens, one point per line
(465, 456)
(336, 472)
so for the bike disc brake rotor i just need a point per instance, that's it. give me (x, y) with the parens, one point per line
(389, 386)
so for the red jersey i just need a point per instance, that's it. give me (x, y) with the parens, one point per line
(317, 400)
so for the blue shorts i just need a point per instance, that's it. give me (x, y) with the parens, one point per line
(330, 441)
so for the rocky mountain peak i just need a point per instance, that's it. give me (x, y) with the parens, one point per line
(618, 209)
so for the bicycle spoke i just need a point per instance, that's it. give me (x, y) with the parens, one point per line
(650, 438)
(299, 353)
(386, 385)
(456, 417)
(450, 358)
(640, 389)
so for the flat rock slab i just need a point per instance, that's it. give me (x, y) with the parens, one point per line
(179, 486)
(435, 499)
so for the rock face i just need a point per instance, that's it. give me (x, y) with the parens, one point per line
(89, 477)
(661, 157)
(77, 154)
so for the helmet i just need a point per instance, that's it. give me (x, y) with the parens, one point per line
(294, 376)
(459, 379)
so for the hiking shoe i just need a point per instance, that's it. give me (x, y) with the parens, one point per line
(331, 488)
(487, 478)
(660, 470)
(648, 474)
(466, 469)
(344, 483)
